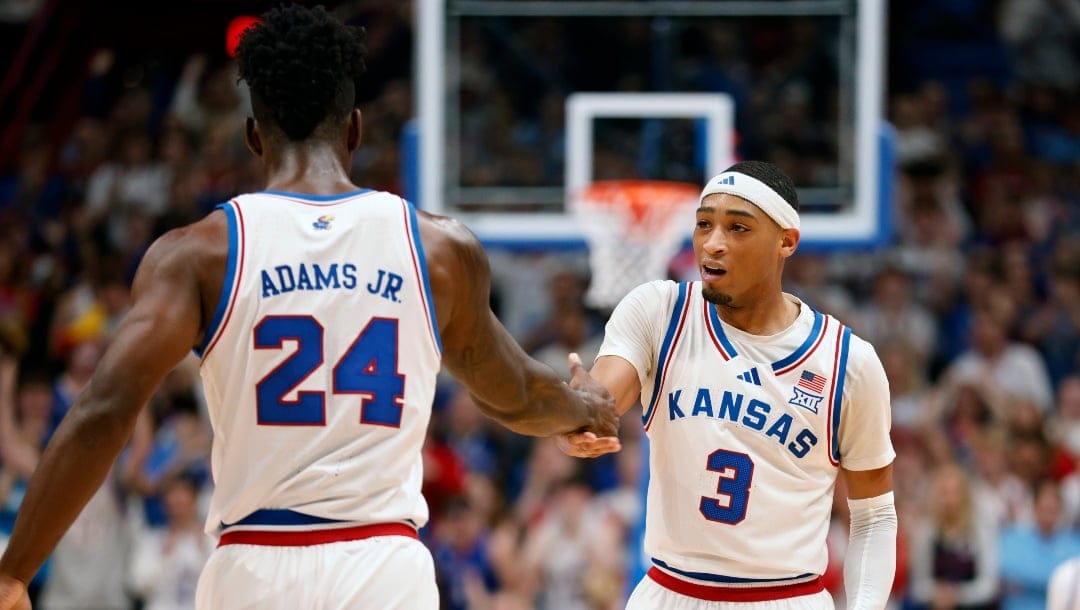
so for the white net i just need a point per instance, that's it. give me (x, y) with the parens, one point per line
(633, 229)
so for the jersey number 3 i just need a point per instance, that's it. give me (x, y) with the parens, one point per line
(368, 368)
(736, 473)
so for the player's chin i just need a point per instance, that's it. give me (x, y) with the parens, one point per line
(715, 294)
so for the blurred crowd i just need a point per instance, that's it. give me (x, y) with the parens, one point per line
(974, 306)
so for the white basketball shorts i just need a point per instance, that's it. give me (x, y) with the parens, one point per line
(651, 595)
(392, 572)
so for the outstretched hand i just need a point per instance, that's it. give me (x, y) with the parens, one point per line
(587, 444)
(13, 595)
(602, 435)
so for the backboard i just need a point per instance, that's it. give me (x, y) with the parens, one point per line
(521, 102)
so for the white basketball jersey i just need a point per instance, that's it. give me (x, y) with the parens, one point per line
(319, 365)
(746, 434)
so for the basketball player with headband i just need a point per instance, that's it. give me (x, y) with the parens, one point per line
(753, 404)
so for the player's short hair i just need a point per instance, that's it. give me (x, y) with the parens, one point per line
(772, 176)
(302, 66)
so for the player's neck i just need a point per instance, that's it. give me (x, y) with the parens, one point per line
(315, 169)
(766, 316)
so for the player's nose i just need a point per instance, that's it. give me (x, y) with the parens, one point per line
(715, 243)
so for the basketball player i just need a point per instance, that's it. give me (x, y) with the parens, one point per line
(753, 403)
(321, 312)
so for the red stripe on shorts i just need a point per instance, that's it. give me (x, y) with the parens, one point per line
(735, 594)
(313, 537)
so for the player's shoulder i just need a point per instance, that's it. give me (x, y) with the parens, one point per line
(665, 290)
(204, 236)
(652, 299)
(840, 329)
(857, 346)
(862, 358)
(456, 262)
(446, 227)
(447, 239)
(195, 250)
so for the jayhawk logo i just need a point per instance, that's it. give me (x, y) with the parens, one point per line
(323, 223)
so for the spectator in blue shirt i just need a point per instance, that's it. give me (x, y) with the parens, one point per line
(1030, 552)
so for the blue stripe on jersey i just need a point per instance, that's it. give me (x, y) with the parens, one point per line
(279, 516)
(422, 264)
(310, 197)
(673, 325)
(718, 330)
(841, 368)
(230, 277)
(815, 332)
(724, 579)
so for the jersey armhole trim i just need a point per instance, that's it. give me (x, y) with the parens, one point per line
(671, 339)
(419, 260)
(836, 395)
(234, 267)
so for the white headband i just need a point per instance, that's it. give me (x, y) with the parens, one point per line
(757, 193)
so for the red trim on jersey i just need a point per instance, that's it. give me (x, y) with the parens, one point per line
(416, 274)
(735, 594)
(671, 353)
(832, 393)
(712, 331)
(314, 537)
(821, 337)
(240, 245)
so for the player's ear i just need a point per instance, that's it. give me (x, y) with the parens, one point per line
(354, 130)
(789, 242)
(252, 137)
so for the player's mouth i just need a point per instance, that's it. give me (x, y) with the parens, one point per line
(712, 272)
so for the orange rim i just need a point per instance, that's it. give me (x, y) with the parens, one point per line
(639, 196)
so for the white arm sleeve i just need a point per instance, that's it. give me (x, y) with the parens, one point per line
(870, 564)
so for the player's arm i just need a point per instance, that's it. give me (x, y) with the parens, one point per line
(162, 326)
(870, 562)
(629, 348)
(620, 378)
(862, 484)
(521, 393)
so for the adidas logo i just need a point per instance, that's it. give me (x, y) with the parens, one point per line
(750, 376)
(730, 180)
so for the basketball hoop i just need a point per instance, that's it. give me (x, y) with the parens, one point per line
(633, 228)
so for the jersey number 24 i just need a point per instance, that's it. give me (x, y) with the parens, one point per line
(368, 369)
